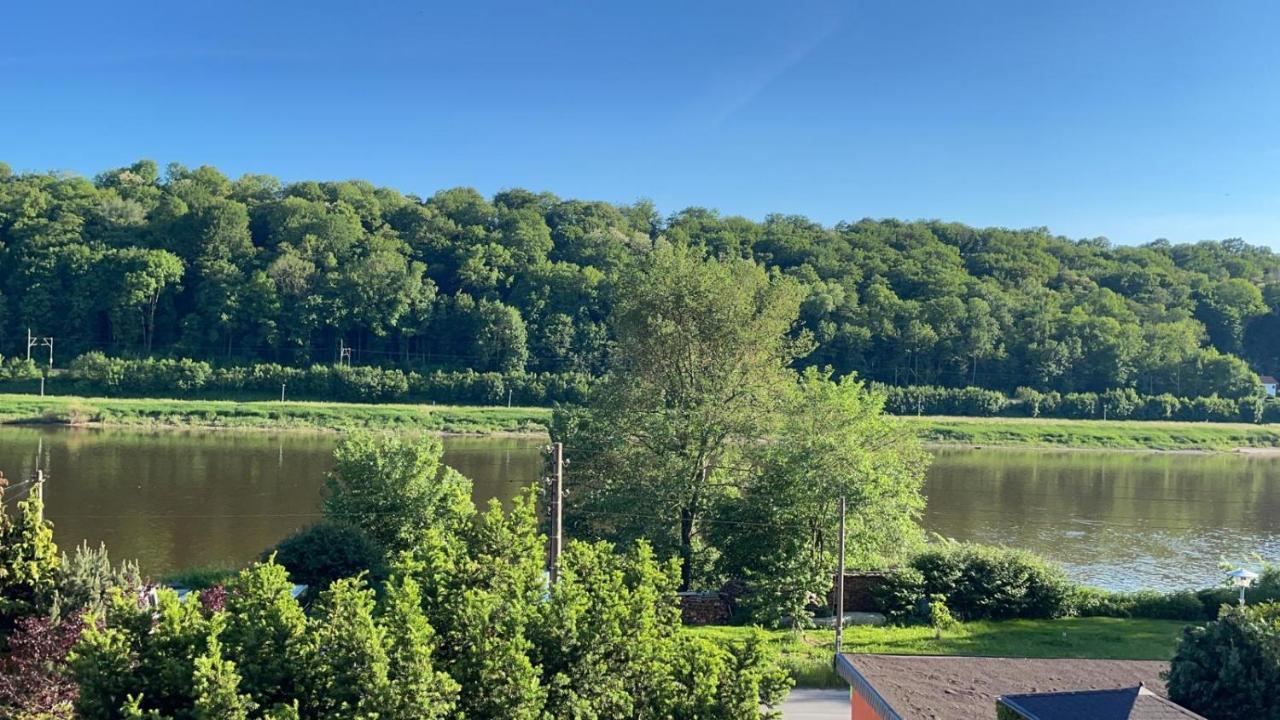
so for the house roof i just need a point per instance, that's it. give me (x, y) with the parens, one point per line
(1135, 703)
(1268, 380)
(904, 687)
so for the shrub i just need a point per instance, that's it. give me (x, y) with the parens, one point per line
(1160, 407)
(1230, 668)
(96, 374)
(324, 552)
(1181, 605)
(983, 582)
(1079, 406)
(1120, 403)
(899, 596)
(86, 578)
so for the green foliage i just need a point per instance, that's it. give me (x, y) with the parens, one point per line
(347, 670)
(326, 551)
(29, 561)
(395, 490)
(1184, 605)
(780, 527)
(86, 579)
(900, 594)
(191, 264)
(217, 686)
(94, 373)
(1230, 668)
(417, 688)
(266, 634)
(980, 582)
(940, 617)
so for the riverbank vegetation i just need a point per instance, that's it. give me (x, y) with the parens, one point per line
(980, 582)
(464, 624)
(28, 409)
(298, 415)
(1093, 434)
(668, 446)
(190, 263)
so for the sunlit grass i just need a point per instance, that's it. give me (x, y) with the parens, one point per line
(1101, 434)
(268, 414)
(808, 654)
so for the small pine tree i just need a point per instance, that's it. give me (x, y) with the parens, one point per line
(85, 580)
(265, 633)
(28, 562)
(417, 690)
(348, 665)
(217, 687)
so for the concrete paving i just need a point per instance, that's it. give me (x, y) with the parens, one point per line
(805, 704)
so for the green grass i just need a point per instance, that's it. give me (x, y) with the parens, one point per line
(960, 431)
(65, 410)
(808, 654)
(1099, 434)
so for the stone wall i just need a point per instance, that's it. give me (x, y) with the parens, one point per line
(859, 589)
(703, 608)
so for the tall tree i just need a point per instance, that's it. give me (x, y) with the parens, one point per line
(700, 364)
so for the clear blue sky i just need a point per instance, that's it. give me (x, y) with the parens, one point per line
(1133, 119)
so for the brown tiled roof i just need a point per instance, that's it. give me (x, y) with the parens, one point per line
(962, 688)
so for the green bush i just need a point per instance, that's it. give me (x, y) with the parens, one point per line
(993, 583)
(899, 596)
(96, 374)
(321, 553)
(1229, 669)
(1181, 605)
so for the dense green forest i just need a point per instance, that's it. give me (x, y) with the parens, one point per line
(189, 263)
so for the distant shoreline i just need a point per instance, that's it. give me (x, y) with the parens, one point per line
(303, 416)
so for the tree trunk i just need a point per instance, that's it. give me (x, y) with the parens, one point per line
(686, 548)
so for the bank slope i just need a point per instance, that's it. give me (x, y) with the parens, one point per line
(26, 409)
(1100, 434)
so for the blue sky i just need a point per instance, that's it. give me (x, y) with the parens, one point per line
(1134, 119)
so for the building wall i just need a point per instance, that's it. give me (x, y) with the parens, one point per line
(862, 710)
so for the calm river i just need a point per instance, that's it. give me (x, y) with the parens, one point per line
(1118, 520)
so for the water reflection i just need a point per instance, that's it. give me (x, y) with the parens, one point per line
(1121, 520)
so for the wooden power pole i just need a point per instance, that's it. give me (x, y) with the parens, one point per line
(557, 510)
(840, 584)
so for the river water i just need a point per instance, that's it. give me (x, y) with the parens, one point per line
(174, 499)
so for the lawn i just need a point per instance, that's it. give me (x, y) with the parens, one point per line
(808, 654)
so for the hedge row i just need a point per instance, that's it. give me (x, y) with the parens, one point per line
(1118, 404)
(96, 374)
(982, 582)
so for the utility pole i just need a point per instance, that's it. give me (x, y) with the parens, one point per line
(35, 341)
(840, 584)
(557, 509)
(282, 392)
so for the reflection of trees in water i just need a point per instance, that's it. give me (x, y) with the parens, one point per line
(175, 499)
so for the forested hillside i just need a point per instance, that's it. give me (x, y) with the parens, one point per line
(188, 263)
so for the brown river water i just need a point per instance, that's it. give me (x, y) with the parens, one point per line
(175, 499)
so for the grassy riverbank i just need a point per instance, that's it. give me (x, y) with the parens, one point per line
(27, 409)
(958, 431)
(1096, 434)
(807, 655)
